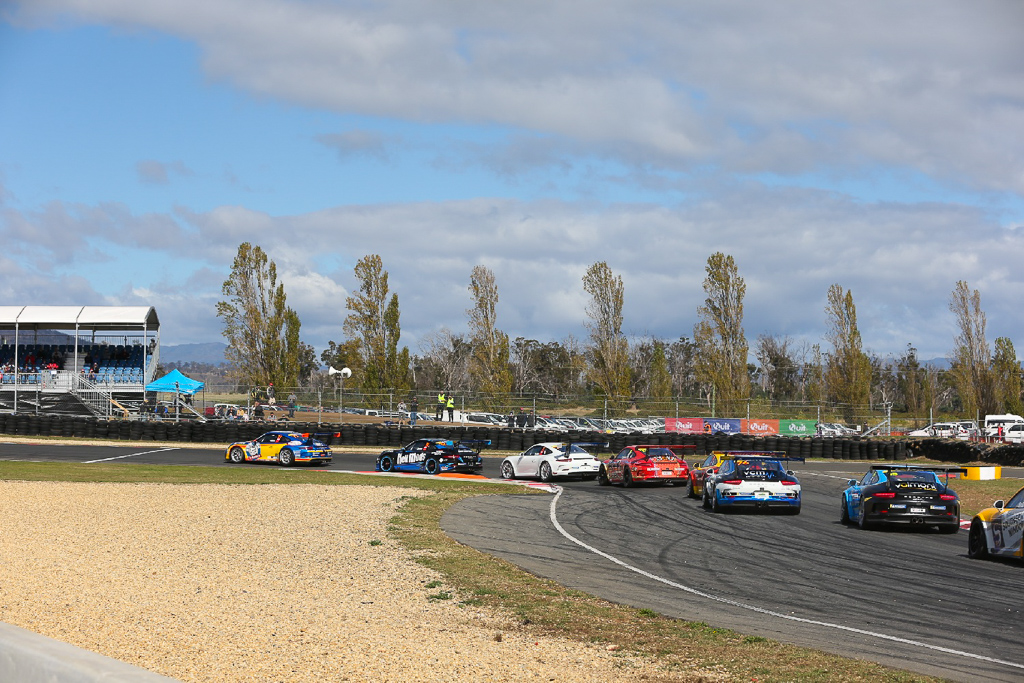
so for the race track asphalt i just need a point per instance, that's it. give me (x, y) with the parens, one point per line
(905, 598)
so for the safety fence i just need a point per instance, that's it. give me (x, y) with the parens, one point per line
(383, 436)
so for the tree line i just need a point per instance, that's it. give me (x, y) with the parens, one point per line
(715, 365)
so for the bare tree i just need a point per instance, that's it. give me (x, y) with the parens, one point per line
(847, 367)
(722, 346)
(489, 362)
(780, 372)
(445, 357)
(608, 351)
(971, 357)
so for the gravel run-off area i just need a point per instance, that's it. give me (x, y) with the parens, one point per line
(258, 583)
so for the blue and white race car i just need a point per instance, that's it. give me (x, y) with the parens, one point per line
(433, 456)
(753, 481)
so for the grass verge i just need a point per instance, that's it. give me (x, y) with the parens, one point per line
(690, 650)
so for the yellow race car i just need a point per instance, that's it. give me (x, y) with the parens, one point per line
(282, 447)
(998, 530)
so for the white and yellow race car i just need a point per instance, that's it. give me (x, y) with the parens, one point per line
(998, 530)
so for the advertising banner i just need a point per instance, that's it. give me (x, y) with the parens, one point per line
(684, 425)
(761, 427)
(727, 425)
(796, 427)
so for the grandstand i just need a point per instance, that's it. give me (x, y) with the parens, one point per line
(84, 360)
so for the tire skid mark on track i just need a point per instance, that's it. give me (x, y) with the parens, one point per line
(760, 610)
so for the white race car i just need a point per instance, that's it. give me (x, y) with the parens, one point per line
(552, 459)
(753, 481)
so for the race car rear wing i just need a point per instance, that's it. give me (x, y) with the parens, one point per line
(761, 455)
(921, 468)
(592, 444)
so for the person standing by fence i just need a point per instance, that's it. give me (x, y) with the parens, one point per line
(439, 410)
(414, 408)
(451, 408)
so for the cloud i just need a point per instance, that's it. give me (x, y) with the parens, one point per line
(153, 172)
(357, 143)
(931, 86)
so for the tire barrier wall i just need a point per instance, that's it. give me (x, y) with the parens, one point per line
(379, 436)
(962, 452)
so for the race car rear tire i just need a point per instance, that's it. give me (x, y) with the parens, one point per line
(705, 501)
(977, 544)
(794, 511)
(689, 488)
(627, 478)
(863, 522)
(432, 466)
(507, 470)
(844, 512)
(545, 472)
(386, 463)
(602, 477)
(715, 507)
(237, 455)
(286, 457)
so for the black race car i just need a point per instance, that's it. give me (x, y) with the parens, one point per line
(433, 456)
(903, 494)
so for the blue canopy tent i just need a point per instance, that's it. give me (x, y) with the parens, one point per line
(178, 384)
(175, 383)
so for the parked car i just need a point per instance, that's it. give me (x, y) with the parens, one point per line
(546, 461)
(998, 530)
(994, 422)
(753, 482)
(939, 430)
(902, 494)
(646, 464)
(284, 448)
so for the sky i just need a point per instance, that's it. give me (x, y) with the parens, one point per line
(875, 145)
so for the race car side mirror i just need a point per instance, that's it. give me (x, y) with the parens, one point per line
(998, 504)
(851, 482)
(790, 473)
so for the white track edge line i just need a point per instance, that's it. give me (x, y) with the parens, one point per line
(130, 455)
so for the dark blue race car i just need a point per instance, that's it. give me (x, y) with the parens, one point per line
(433, 456)
(902, 494)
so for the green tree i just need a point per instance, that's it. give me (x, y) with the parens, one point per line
(847, 368)
(970, 366)
(489, 363)
(1006, 375)
(608, 351)
(261, 331)
(721, 345)
(911, 378)
(373, 321)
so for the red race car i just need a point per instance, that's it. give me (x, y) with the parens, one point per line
(638, 464)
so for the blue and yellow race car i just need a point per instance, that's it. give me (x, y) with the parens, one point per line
(284, 448)
(902, 494)
(433, 456)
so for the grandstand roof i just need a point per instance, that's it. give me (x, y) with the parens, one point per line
(73, 317)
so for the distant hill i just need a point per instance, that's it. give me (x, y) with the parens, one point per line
(940, 363)
(212, 353)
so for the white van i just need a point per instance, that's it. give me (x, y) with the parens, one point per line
(994, 422)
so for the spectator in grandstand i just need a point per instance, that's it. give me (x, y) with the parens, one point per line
(270, 394)
(257, 411)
